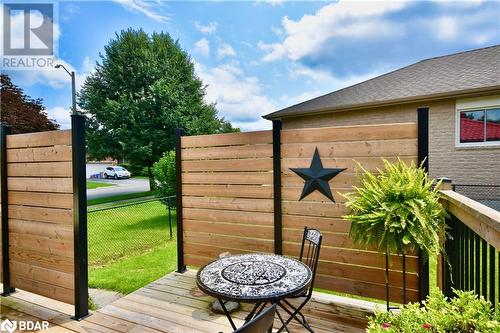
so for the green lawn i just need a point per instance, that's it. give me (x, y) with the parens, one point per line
(134, 272)
(130, 246)
(118, 198)
(93, 185)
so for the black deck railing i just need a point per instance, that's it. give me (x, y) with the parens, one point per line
(472, 262)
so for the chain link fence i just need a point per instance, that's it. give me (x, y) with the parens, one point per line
(124, 230)
(488, 195)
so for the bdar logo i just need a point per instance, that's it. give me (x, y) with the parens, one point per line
(8, 326)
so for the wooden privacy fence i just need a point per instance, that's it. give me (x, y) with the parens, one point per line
(232, 201)
(43, 223)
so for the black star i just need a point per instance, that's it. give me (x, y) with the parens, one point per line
(317, 177)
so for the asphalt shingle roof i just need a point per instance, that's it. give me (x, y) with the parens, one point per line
(457, 72)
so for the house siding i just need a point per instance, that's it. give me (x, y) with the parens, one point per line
(472, 165)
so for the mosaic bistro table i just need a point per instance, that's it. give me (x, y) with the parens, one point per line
(257, 278)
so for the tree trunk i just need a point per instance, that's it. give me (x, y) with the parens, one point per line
(152, 184)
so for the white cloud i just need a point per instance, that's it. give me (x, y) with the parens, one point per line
(225, 50)
(147, 8)
(348, 19)
(61, 115)
(202, 46)
(446, 27)
(240, 98)
(209, 28)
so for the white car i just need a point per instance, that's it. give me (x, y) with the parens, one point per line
(116, 172)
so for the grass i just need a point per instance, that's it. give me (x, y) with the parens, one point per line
(130, 246)
(132, 273)
(93, 185)
(118, 198)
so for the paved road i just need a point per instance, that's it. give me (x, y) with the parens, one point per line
(123, 186)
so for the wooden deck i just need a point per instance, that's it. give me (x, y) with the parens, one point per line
(174, 304)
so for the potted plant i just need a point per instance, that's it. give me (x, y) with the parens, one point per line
(397, 211)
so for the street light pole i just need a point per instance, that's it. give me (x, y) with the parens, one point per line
(73, 92)
(73, 87)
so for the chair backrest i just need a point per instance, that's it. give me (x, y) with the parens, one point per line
(262, 323)
(309, 252)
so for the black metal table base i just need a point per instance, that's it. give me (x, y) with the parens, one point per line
(258, 307)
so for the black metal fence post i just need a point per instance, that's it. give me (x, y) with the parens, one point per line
(423, 154)
(169, 216)
(181, 267)
(278, 232)
(80, 216)
(7, 289)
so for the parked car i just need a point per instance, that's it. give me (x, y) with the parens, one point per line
(116, 172)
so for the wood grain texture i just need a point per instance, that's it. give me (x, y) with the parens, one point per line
(350, 133)
(44, 169)
(40, 139)
(41, 154)
(52, 185)
(40, 193)
(227, 139)
(247, 151)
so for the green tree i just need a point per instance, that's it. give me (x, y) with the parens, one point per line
(165, 175)
(143, 88)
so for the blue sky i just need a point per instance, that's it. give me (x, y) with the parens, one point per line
(257, 57)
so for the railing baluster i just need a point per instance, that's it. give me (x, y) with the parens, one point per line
(460, 273)
(477, 266)
(484, 270)
(471, 259)
(466, 258)
(492, 295)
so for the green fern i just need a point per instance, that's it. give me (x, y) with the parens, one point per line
(397, 210)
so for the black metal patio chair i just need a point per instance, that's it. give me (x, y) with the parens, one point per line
(309, 255)
(262, 323)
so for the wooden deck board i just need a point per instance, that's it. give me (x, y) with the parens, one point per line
(174, 304)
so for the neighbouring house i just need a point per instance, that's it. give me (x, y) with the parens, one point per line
(462, 93)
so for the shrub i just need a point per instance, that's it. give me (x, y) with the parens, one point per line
(466, 312)
(397, 210)
(164, 175)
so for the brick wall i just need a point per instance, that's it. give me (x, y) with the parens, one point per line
(463, 165)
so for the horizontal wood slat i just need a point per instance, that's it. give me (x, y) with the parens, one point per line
(42, 214)
(44, 289)
(43, 275)
(243, 243)
(40, 139)
(364, 289)
(350, 133)
(254, 218)
(49, 169)
(236, 178)
(249, 205)
(43, 154)
(247, 151)
(45, 245)
(36, 258)
(229, 191)
(41, 199)
(54, 185)
(257, 164)
(49, 230)
(227, 139)
(357, 149)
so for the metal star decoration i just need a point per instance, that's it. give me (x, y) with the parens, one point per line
(317, 177)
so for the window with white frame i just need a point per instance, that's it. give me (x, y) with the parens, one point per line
(478, 121)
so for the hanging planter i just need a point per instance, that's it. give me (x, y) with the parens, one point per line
(397, 211)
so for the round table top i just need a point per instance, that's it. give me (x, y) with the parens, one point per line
(253, 277)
